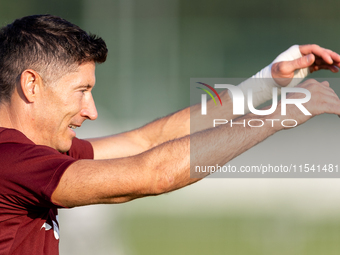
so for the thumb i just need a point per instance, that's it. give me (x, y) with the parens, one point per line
(302, 62)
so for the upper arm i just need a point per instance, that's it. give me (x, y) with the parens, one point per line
(87, 182)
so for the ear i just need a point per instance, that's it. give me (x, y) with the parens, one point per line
(30, 82)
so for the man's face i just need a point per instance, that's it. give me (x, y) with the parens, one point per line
(64, 106)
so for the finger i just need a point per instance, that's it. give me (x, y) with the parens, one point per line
(325, 83)
(321, 62)
(300, 63)
(335, 56)
(327, 55)
(332, 68)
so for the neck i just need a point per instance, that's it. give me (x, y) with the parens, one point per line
(9, 117)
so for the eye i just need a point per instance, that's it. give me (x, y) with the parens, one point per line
(83, 91)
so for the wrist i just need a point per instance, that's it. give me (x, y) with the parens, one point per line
(295, 78)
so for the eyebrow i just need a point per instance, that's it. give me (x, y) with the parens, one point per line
(88, 86)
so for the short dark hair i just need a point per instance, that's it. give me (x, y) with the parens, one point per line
(47, 44)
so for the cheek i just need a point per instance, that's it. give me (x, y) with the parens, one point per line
(77, 104)
(73, 104)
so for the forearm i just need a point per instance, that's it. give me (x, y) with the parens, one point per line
(176, 164)
(165, 129)
(185, 122)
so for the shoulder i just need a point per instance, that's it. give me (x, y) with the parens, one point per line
(81, 149)
(14, 144)
(13, 136)
(27, 170)
(14, 139)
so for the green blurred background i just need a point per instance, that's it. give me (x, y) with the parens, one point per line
(155, 47)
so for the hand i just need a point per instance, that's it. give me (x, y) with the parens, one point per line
(323, 100)
(323, 58)
(313, 57)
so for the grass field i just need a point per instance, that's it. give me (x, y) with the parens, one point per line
(230, 235)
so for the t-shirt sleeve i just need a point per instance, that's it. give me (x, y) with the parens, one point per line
(31, 173)
(81, 149)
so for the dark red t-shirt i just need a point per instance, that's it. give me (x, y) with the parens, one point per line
(29, 174)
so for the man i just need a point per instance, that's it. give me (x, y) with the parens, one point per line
(47, 72)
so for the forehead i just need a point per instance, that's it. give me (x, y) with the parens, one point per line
(83, 75)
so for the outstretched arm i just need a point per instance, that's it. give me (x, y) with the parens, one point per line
(177, 125)
(166, 167)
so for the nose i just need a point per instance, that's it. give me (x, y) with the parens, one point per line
(89, 109)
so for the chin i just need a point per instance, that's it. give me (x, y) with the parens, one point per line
(65, 147)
